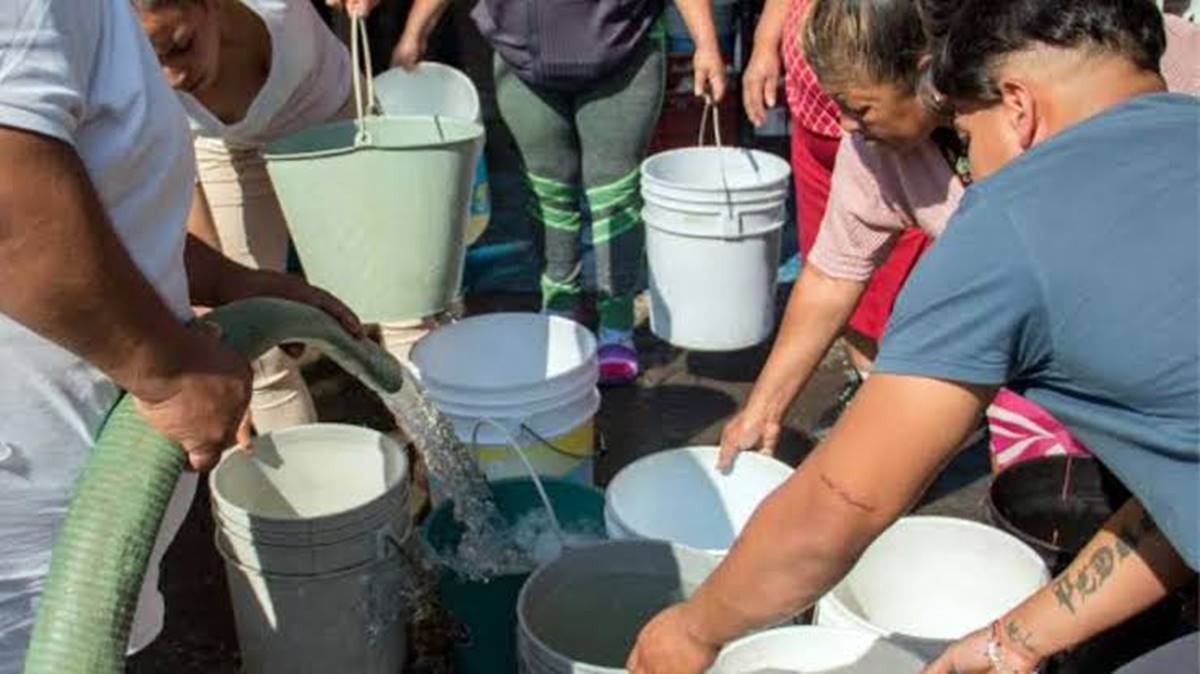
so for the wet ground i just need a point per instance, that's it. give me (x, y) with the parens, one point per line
(682, 399)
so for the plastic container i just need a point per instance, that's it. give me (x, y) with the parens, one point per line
(313, 516)
(581, 613)
(679, 496)
(488, 609)
(713, 234)
(379, 221)
(815, 650)
(928, 581)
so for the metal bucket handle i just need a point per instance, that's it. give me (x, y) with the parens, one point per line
(360, 63)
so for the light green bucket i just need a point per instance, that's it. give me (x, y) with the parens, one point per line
(378, 219)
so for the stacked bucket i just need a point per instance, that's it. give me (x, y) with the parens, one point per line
(310, 523)
(517, 378)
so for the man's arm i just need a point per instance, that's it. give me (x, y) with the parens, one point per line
(881, 456)
(1127, 567)
(65, 275)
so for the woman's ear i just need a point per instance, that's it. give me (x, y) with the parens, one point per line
(1021, 111)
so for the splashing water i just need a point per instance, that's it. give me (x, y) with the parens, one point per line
(487, 548)
(539, 537)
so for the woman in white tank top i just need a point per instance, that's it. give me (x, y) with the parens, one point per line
(248, 72)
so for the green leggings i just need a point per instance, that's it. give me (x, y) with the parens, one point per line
(592, 140)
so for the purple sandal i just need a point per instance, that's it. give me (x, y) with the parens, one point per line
(618, 365)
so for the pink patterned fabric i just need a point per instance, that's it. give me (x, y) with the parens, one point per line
(1021, 430)
(811, 108)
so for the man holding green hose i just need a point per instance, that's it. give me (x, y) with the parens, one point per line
(97, 281)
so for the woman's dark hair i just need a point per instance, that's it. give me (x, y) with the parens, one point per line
(970, 36)
(876, 40)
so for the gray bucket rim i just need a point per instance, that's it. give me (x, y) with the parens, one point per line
(231, 559)
(330, 522)
(525, 634)
(277, 150)
(649, 165)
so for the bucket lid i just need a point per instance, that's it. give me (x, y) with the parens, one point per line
(319, 477)
(388, 133)
(429, 89)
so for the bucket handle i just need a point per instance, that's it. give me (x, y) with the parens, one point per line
(731, 224)
(360, 68)
(533, 474)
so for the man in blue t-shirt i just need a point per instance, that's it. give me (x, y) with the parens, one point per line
(1072, 273)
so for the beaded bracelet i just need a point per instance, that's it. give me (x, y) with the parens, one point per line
(995, 653)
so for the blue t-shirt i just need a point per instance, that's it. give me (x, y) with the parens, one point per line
(1072, 275)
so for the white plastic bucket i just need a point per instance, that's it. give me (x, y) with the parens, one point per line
(309, 521)
(517, 377)
(713, 233)
(679, 496)
(815, 650)
(581, 613)
(438, 89)
(349, 621)
(928, 581)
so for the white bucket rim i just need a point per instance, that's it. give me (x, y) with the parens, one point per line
(804, 631)
(831, 599)
(433, 381)
(517, 411)
(650, 165)
(327, 522)
(229, 558)
(382, 81)
(706, 454)
(713, 233)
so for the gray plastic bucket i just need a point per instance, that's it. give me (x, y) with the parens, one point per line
(581, 613)
(381, 224)
(713, 233)
(309, 522)
(815, 650)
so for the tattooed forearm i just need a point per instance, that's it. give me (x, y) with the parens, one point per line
(1019, 636)
(1082, 581)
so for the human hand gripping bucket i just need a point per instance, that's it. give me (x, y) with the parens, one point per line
(714, 219)
(378, 206)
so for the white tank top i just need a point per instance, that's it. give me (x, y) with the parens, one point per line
(308, 83)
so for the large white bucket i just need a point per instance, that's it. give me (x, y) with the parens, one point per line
(680, 496)
(438, 89)
(815, 650)
(713, 232)
(581, 613)
(928, 581)
(520, 377)
(313, 516)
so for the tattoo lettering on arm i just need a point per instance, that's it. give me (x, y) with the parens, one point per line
(1074, 587)
(1019, 636)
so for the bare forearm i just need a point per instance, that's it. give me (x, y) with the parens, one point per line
(424, 16)
(210, 273)
(1127, 567)
(809, 532)
(65, 275)
(200, 219)
(769, 32)
(816, 314)
(698, 16)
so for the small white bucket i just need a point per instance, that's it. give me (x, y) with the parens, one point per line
(522, 377)
(815, 650)
(679, 496)
(581, 613)
(713, 233)
(928, 581)
(309, 521)
(438, 89)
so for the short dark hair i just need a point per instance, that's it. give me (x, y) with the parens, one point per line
(879, 40)
(970, 38)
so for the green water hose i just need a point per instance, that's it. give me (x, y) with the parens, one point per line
(102, 549)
